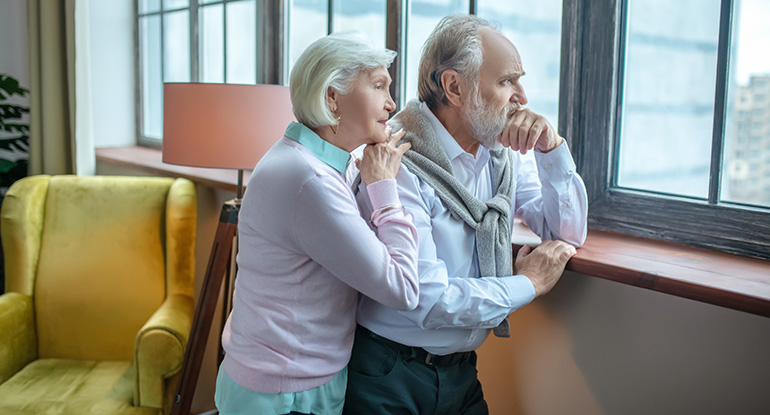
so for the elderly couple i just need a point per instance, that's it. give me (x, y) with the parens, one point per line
(424, 240)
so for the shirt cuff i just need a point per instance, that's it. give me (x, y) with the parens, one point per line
(383, 193)
(556, 164)
(520, 290)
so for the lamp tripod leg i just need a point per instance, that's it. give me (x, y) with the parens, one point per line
(204, 311)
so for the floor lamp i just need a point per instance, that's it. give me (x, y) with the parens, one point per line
(219, 126)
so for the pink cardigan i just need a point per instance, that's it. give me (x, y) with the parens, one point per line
(305, 254)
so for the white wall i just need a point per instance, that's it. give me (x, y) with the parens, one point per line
(113, 96)
(14, 44)
(110, 67)
(593, 346)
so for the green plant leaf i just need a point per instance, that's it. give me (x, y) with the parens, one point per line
(11, 86)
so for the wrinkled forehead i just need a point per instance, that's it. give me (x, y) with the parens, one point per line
(375, 73)
(500, 56)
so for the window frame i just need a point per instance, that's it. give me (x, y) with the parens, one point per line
(589, 113)
(270, 21)
(161, 12)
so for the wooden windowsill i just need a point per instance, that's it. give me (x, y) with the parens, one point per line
(717, 278)
(150, 160)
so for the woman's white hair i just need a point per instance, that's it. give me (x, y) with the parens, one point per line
(334, 61)
(453, 44)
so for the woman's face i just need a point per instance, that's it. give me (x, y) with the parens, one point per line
(365, 108)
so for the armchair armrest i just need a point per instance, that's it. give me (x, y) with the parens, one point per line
(18, 343)
(159, 349)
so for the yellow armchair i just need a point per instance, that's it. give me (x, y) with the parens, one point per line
(99, 293)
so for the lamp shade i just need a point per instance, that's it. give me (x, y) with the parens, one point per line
(222, 125)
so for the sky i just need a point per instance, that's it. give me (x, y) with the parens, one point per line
(753, 37)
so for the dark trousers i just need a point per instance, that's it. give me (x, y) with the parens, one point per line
(393, 381)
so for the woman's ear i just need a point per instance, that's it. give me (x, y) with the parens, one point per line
(331, 99)
(454, 87)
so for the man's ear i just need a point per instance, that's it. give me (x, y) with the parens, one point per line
(454, 87)
(331, 99)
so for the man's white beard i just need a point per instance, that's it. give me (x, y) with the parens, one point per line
(486, 122)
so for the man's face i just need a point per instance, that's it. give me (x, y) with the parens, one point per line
(499, 92)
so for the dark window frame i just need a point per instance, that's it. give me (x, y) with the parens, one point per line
(592, 51)
(269, 33)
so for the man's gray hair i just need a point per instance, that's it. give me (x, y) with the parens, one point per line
(453, 44)
(334, 61)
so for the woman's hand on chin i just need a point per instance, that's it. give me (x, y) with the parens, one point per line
(381, 161)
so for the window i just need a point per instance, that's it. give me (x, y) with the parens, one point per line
(309, 20)
(661, 102)
(194, 41)
(535, 28)
(659, 141)
(218, 41)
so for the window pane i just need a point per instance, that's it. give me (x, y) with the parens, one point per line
(149, 6)
(176, 47)
(212, 53)
(307, 22)
(152, 80)
(746, 175)
(668, 96)
(422, 17)
(535, 30)
(365, 17)
(175, 4)
(241, 42)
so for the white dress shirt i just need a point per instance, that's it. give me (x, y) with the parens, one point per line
(457, 309)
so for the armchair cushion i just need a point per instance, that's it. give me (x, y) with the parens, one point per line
(107, 255)
(71, 387)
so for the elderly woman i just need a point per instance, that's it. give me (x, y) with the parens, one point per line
(305, 251)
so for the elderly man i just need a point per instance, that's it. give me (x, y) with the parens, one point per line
(463, 188)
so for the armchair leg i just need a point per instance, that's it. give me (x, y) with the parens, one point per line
(204, 311)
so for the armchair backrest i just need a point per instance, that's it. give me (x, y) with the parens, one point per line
(98, 255)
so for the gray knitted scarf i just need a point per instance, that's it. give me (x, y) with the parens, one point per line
(428, 161)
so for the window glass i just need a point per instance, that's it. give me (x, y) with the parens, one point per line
(366, 17)
(149, 6)
(152, 77)
(535, 30)
(176, 46)
(212, 53)
(746, 163)
(421, 17)
(175, 4)
(241, 42)
(668, 96)
(307, 22)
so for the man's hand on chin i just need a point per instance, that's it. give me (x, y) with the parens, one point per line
(526, 130)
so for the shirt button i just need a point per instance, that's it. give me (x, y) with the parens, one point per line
(548, 167)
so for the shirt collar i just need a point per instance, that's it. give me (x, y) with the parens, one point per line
(327, 152)
(447, 141)
(453, 150)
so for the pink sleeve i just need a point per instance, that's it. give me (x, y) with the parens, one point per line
(329, 228)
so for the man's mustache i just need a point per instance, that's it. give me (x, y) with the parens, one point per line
(512, 108)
